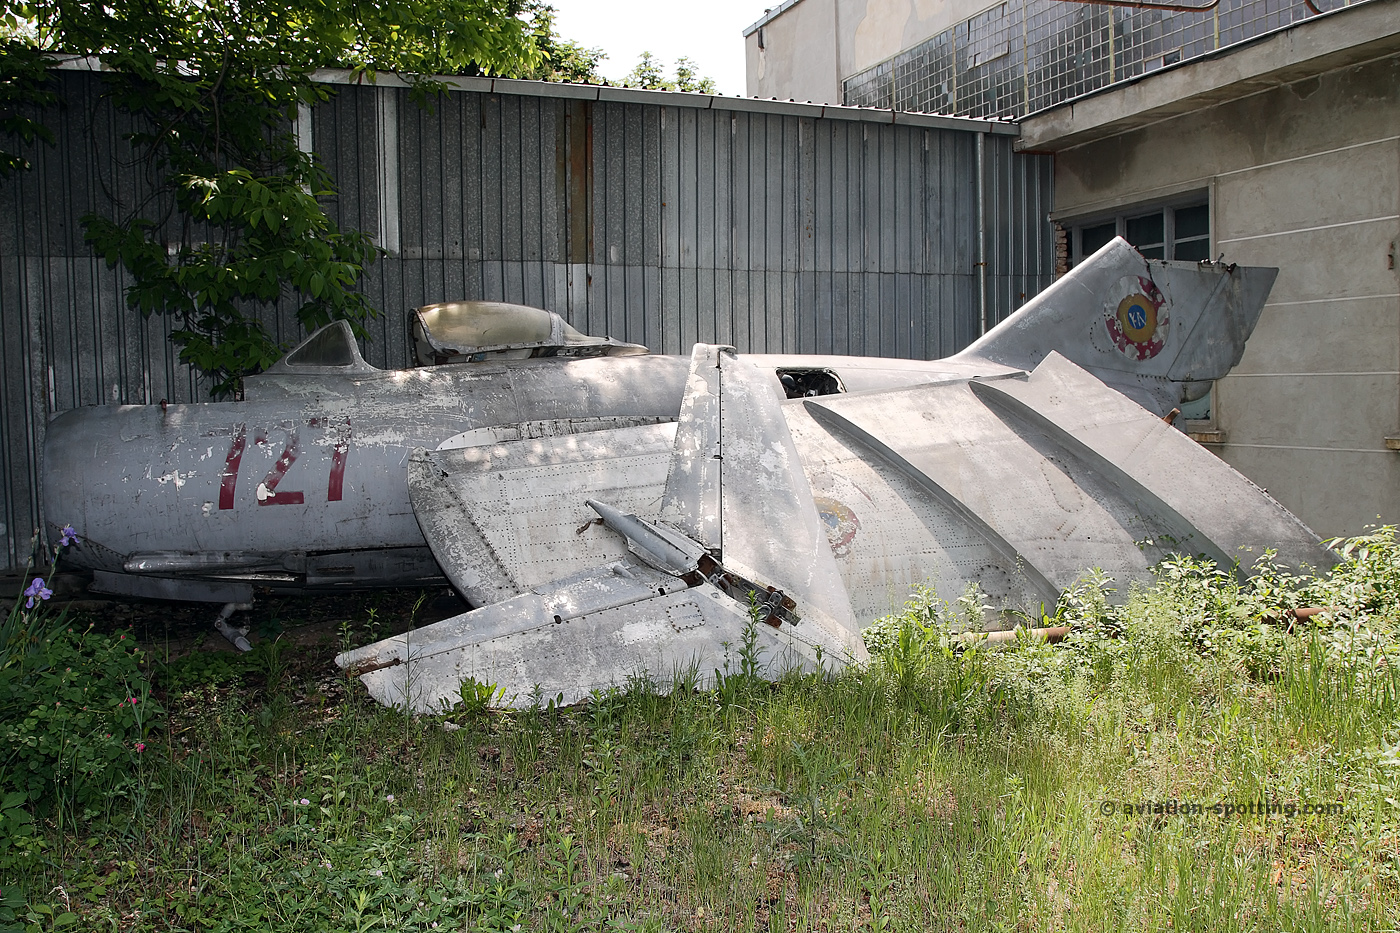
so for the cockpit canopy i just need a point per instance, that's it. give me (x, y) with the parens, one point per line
(471, 331)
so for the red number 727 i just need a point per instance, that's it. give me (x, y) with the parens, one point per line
(267, 489)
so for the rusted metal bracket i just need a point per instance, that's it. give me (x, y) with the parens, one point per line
(1173, 7)
(357, 671)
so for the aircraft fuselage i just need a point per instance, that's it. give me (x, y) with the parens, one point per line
(302, 485)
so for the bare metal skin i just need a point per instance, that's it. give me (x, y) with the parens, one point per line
(830, 483)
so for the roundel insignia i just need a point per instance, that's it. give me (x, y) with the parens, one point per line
(839, 522)
(1137, 322)
(1138, 318)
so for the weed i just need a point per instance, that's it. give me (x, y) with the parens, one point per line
(941, 786)
(477, 698)
(734, 685)
(813, 831)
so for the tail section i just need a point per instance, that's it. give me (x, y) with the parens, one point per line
(1156, 331)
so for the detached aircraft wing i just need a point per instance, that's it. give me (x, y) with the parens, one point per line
(664, 580)
(617, 550)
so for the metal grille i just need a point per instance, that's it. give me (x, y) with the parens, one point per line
(874, 87)
(1025, 55)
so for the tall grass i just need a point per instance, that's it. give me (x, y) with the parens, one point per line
(943, 786)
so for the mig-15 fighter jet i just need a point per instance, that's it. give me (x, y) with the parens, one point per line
(609, 512)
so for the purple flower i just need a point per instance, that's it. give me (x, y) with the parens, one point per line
(69, 536)
(38, 591)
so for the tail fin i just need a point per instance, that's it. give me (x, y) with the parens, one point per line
(1157, 331)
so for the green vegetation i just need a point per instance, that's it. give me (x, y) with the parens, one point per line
(940, 787)
(233, 213)
(560, 59)
(650, 73)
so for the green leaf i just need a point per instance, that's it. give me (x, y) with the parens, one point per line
(218, 133)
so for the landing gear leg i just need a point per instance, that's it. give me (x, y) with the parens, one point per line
(238, 637)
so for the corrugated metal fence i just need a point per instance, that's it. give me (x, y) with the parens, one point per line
(658, 218)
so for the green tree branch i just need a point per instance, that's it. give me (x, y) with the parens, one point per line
(218, 84)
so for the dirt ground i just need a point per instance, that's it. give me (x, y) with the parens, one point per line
(316, 623)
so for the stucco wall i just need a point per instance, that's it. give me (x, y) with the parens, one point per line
(813, 44)
(1305, 177)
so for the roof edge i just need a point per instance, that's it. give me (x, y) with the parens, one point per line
(602, 92)
(769, 16)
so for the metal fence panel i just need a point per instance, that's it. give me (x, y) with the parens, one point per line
(658, 222)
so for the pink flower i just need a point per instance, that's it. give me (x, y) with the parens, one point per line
(140, 747)
(134, 701)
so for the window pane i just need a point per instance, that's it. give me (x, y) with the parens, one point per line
(1146, 231)
(1092, 238)
(1199, 410)
(1153, 252)
(1192, 250)
(1192, 222)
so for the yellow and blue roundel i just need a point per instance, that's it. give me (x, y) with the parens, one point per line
(840, 523)
(1138, 324)
(1138, 318)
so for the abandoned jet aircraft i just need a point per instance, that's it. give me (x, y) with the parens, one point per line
(610, 512)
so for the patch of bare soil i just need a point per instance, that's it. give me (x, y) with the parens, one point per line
(317, 623)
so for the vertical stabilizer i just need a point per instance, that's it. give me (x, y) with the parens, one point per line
(1156, 331)
(737, 486)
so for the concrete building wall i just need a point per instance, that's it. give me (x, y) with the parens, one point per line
(794, 57)
(1303, 175)
(810, 45)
